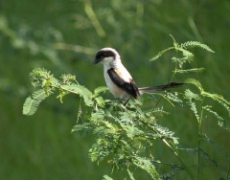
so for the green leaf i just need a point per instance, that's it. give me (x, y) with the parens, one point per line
(100, 90)
(106, 177)
(173, 97)
(32, 102)
(192, 96)
(81, 90)
(130, 174)
(86, 127)
(194, 82)
(221, 120)
(195, 70)
(147, 165)
(100, 101)
(192, 44)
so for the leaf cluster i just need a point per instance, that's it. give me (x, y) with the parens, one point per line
(195, 99)
(46, 84)
(124, 136)
(122, 133)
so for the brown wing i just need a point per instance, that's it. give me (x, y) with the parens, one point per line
(129, 87)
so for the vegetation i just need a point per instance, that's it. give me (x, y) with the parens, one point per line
(125, 135)
(178, 134)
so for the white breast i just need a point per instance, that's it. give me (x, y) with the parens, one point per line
(114, 89)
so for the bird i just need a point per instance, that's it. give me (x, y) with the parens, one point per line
(118, 79)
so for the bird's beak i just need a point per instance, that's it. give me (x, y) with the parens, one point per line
(96, 60)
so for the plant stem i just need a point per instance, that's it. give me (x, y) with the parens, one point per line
(173, 149)
(93, 18)
(199, 143)
(227, 176)
(79, 111)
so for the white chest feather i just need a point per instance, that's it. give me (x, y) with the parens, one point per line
(114, 89)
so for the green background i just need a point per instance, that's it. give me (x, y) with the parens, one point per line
(42, 146)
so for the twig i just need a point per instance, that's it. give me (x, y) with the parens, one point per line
(77, 48)
(93, 18)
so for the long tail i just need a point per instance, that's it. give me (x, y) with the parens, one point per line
(144, 90)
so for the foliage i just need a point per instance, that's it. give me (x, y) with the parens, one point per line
(62, 37)
(124, 136)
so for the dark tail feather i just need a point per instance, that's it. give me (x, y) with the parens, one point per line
(160, 88)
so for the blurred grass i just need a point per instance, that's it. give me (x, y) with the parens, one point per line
(41, 146)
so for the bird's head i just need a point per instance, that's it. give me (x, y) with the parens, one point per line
(107, 56)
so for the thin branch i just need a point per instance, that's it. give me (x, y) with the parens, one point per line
(93, 18)
(77, 48)
(179, 157)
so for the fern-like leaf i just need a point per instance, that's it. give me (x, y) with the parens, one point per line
(192, 44)
(194, 82)
(207, 156)
(174, 98)
(32, 102)
(220, 119)
(81, 90)
(192, 96)
(148, 166)
(86, 127)
(106, 177)
(194, 70)
(171, 173)
(100, 90)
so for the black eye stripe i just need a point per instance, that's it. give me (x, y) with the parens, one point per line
(101, 54)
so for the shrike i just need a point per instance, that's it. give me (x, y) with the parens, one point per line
(118, 78)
